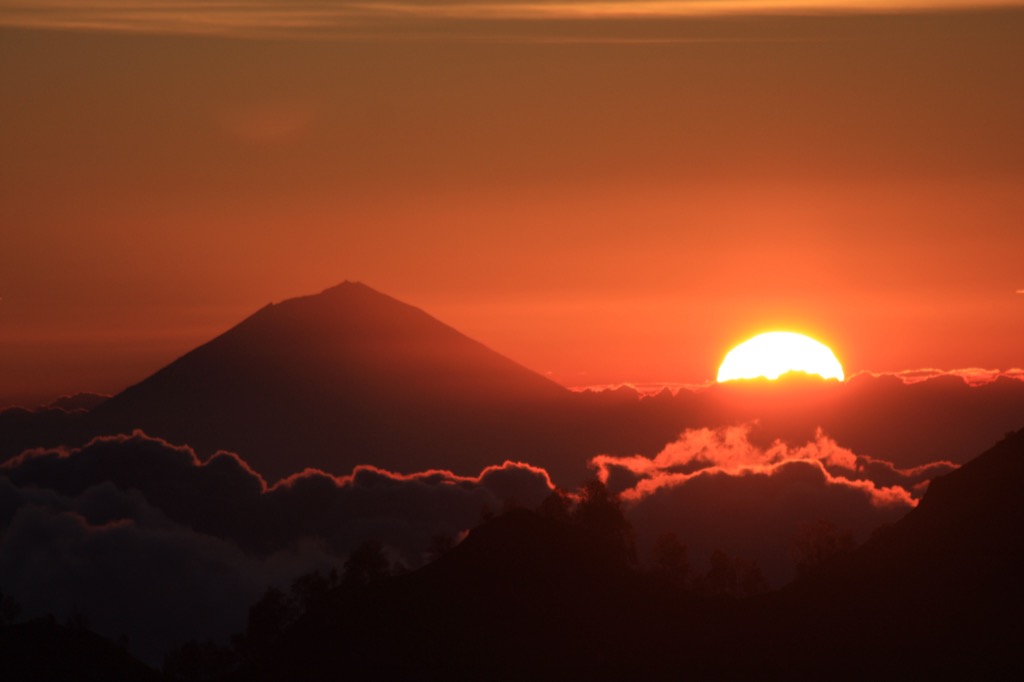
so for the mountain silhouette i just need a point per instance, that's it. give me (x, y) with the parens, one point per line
(346, 377)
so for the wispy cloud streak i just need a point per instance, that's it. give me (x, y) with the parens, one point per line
(331, 18)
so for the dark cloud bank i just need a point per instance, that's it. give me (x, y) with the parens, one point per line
(151, 543)
(716, 489)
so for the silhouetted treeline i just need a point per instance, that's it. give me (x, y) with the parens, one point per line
(557, 593)
(550, 571)
(43, 650)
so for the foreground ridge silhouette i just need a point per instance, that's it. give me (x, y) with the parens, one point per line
(43, 650)
(527, 596)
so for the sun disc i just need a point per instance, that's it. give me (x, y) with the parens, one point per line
(772, 354)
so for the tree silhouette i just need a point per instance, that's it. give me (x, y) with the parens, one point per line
(440, 544)
(671, 560)
(599, 511)
(750, 581)
(268, 618)
(199, 661)
(557, 505)
(732, 577)
(312, 590)
(720, 580)
(10, 610)
(366, 565)
(78, 619)
(818, 543)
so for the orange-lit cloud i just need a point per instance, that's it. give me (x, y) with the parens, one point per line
(729, 451)
(364, 473)
(973, 376)
(715, 489)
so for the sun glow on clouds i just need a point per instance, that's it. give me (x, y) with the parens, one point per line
(728, 451)
(973, 376)
(277, 18)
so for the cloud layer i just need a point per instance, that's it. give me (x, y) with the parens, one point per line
(225, 498)
(150, 542)
(135, 574)
(715, 489)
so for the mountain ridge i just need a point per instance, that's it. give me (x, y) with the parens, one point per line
(352, 376)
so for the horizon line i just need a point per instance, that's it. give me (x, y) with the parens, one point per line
(972, 376)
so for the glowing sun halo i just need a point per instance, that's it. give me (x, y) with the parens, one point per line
(772, 354)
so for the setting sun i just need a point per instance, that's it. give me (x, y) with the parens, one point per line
(772, 354)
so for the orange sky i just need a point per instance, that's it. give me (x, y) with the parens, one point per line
(606, 200)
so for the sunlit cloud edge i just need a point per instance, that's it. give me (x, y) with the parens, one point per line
(973, 376)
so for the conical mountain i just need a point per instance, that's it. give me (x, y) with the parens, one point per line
(349, 376)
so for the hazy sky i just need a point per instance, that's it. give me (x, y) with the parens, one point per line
(607, 199)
